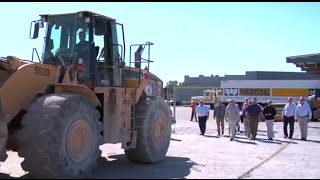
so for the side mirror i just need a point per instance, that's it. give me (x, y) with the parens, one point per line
(34, 29)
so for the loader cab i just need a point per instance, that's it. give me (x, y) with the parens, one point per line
(88, 40)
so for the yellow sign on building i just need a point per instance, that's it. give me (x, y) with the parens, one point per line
(254, 92)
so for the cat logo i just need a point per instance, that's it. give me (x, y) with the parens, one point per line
(231, 91)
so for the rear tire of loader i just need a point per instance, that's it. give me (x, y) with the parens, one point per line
(153, 126)
(60, 137)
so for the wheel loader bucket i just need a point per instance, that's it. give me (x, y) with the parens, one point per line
(21, 81)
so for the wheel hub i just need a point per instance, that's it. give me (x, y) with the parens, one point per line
(159, 129)
(79, 140)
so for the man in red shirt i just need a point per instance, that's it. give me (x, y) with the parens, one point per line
(193, 107)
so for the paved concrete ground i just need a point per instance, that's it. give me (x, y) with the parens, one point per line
(194, 156)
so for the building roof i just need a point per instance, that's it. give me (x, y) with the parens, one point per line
(309, 63)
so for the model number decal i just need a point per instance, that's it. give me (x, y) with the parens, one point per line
(41, 71)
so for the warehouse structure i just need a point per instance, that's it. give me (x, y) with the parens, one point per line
(309, 63)
(194, 86)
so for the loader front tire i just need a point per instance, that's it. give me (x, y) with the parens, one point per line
(153, 125)
(60, 137)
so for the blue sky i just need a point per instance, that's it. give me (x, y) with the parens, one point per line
(190, 38)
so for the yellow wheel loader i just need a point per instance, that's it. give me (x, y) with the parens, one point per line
(81, 94)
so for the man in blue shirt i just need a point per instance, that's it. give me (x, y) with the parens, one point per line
(253, 112)
(203, 114)
(303, 114)
(288, 117)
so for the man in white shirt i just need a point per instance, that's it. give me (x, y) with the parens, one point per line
(288, 117)
(203, 114)
(303, 114)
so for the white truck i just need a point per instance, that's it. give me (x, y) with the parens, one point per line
(209, 97)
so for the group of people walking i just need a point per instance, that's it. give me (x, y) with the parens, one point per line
(252, 114)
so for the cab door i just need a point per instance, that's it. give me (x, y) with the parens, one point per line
(109, 64)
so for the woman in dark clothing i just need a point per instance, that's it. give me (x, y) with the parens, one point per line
(269, 112)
